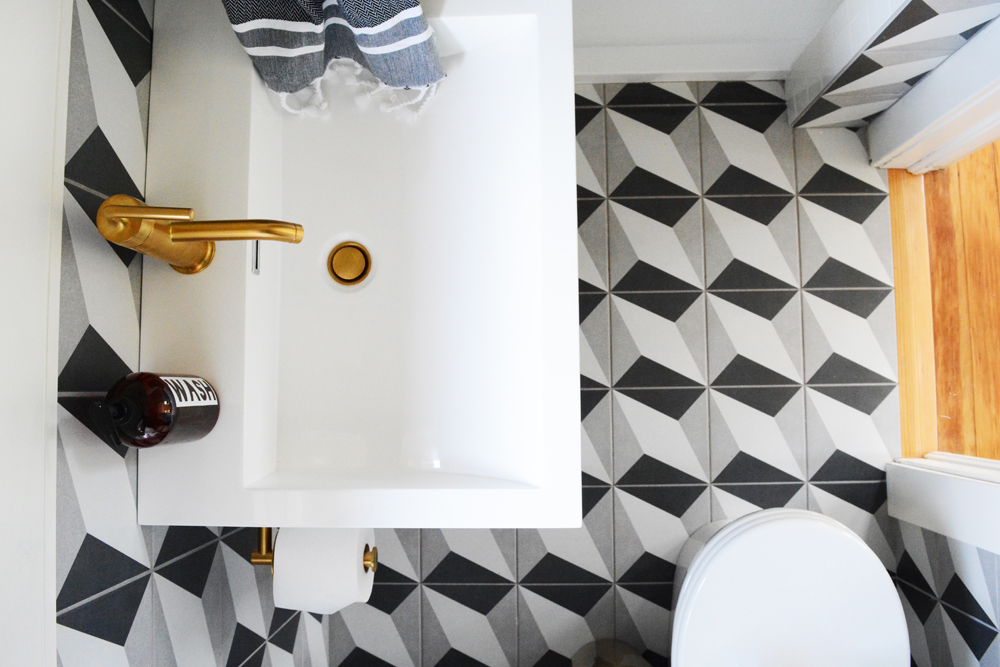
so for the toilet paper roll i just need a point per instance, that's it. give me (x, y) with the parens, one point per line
(321, 569)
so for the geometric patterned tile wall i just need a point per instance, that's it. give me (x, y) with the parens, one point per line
(922, 35)
(745, 285)
(737, 342)
(129, 595)
(746, 282)
(950, 598)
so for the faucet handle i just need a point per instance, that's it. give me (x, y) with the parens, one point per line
(128, 222)
(172, 235)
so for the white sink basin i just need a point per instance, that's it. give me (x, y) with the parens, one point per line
(442, 391)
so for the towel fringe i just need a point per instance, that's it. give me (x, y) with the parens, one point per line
(410, 109)
(404, 103)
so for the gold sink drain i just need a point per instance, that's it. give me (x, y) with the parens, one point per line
(349, 263)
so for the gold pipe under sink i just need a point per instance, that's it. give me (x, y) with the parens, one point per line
(173, 236)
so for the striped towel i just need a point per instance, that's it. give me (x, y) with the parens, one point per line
(292, 42)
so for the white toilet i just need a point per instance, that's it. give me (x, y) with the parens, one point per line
(784, 588)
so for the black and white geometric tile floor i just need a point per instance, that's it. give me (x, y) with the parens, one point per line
(752, 333)
(737, 342)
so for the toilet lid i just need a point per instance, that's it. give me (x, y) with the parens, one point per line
(788, 588)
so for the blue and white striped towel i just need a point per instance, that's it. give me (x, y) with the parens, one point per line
(292, 42)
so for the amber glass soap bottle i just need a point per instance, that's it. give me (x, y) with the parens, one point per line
(143, 409)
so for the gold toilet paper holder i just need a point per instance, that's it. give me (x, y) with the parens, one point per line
(264, 555)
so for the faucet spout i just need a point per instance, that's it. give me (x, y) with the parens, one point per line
(236, 230)
(173, 236)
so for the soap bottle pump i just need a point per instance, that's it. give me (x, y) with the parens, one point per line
(143, 409)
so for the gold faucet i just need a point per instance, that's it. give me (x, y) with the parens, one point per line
(172, 235)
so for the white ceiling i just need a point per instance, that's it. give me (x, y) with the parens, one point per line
(700, 38)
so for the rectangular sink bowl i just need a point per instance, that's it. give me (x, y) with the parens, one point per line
(442, 390)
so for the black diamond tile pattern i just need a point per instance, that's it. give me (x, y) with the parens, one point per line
(648, 373)
(246, 648)
(388, 598)
(764, 496)
(759, 209)
(860, 302)
(745, 469)
(242, 542)
(921, 603)
(554, 570)
(769, 400)
(648, 470)
(674, 500)
(180, 540)
(738, 92)
(648, 568)
(361, 658)
(765, 304)
(577, 598)
(590, 399)
(757, 117)
(842, 467)
(666, 119)
(456, 569)
(642, 94)
(952, 619)
(853, 206)
(835, 273)
(831, 181)
(284, 626)
(744, 371)
(96, 166)
(958, 596)
(867, 496)
(644, 276)
(668, 211)
(93, 367)
(673, 402)
(978, 636)
(739, 275)
(110, 616)
(129, 33)
(838, 370)
(735, 182)
(482, 599)
(192, 572)
(96, 568)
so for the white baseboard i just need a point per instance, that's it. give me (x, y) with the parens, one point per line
(692, 62)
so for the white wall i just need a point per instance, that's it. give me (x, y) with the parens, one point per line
(689, 40)
(34, 45)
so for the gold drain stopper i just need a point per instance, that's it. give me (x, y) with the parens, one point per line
(349, 263)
